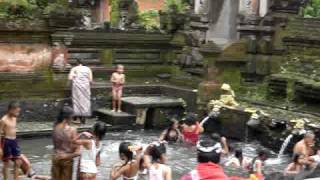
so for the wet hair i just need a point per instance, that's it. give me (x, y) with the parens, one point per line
(190, 119)
(78, 61)
(295, 157)
(65, 113)
(156, 151)
(13, 105)
(309, 134)
(205, 157)
(125, 150)
(238, 154)
(216, 137)
(262, 153)
(99, 130)
(169, 129)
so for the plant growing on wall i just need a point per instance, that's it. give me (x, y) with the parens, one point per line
(150, 19)
(18, 8)
(175, 6)
(115, 13)
(312, 10)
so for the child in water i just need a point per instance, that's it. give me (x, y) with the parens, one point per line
(171, 134)
(117, 80)
(129, 169)
(257, 165)
(90, 151)
(296, 166)
(191, 129)
(154, 162)
(238, 161)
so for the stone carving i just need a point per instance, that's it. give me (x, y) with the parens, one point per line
(128, 14)
(201, 7)
(24, 58)
(60, 57)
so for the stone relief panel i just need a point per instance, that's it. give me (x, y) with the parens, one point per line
(24, 57)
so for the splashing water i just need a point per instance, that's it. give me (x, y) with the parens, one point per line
(285, 145)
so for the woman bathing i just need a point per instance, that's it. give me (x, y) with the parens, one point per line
(172, 134)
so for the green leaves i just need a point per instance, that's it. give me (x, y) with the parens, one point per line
(175, 6)
(150, 19)
(312, 10)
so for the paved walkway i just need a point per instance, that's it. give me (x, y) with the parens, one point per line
(45, 128)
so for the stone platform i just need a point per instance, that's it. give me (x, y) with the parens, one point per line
(115, 118)
(152, 102)
(43, 129)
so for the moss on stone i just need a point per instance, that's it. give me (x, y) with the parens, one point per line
(106, 56)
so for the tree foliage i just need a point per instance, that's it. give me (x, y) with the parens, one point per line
(150, 19)
(312, 10)
(175, 6)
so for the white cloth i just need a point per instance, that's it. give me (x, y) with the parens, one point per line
(157, 173)
(81, 92)
(88, 159)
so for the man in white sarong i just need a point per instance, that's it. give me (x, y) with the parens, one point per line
(81, 77)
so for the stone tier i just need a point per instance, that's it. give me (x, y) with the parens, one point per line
(303, 32)
(278, 86)
(115, 118)
(103, 39)
(137, 56)
(307, 90)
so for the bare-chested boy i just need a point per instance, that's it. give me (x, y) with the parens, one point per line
(117, 80)
(10, 149)
(305, 146)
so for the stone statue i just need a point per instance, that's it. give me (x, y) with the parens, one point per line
(201, 7)
(128, 14)
(60, 57)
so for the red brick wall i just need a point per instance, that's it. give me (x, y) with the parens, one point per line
(150, 4)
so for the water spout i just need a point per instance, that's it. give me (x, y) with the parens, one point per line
(285, 145)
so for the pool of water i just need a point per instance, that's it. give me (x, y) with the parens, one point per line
(181, 158)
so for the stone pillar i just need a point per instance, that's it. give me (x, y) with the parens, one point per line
(141, 116)
(209, 88)
(201, 6)
(263, 7)
(245, 7)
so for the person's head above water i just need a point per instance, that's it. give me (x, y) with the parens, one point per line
(14, 109)
(124, 151)
(173, 124)
(190, 119)
(157, 151)
(209, 150)
(120, 68)
(65, 114)
(238, 154)
(262, 155)
(99, 130)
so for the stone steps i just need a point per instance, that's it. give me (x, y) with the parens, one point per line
(115, 118)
